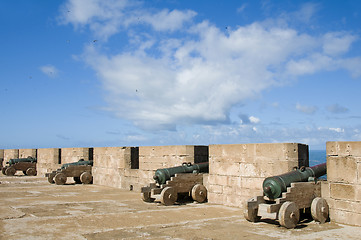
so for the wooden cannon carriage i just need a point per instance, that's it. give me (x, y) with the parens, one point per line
(170, 183)
(286, 195)
(80, 171)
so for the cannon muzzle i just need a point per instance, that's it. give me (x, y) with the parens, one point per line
(273, 187)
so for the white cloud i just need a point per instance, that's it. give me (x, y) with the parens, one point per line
(339, 130)
(306, 109)
(336, 43)
(198, 76)
(253, 119)
(49, 70)
(106, 18)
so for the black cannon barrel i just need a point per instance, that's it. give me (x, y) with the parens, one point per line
(162, 175)
(274, 186)
(17, 160)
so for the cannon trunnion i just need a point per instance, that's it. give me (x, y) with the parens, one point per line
(172, 182)
(81, 172)
(288, 194)
(26, 165)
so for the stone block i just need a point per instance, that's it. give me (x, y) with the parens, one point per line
(343, 191)
(24, 153)
(343, 149)
(48, 156)
(342, 169)
(215, 188)
(112, 157)
(10, 153)
(325, 189)
(252, 183)
(345, 217)
(69, 155)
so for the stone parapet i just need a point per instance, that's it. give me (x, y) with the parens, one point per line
(24, 153)
(48, 160)
(343, 188)
(237, 171)
(155, 157)
(69, 155)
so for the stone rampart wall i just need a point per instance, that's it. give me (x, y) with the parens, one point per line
(24, 153)
(237, 171)
(9, 154)
(48, 160)
(343, 187)
(69, 155)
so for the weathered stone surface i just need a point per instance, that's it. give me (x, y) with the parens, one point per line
(69, 155)
(343, 149)
(342, 169)
(237, 171)
(24, 153)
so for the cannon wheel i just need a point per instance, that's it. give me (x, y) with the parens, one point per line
(199, 193)
(86, 177)
(31, 172)
(168, 196)
(10, 171)
(60, 179)
(146, 197)
(77, 180)
(319, 210)
(51, 179)
(289, 215)
(3, 170)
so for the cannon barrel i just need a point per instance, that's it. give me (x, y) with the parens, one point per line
(162, 175)
(17, 160)
(78, 163)
(274, 186)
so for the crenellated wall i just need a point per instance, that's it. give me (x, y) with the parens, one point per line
(9, 154)
(237, 171)
(69, 155)
(343, 187)
(24, 153)
(48, 159)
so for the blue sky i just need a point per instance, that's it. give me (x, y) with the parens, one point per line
(93, 73)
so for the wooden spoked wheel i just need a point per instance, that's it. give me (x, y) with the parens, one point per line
(60, 179)
(31, 172)
(10, 171)
(86, 177)
(199, 193)
(319, 210)
(289, 215)
(168, 196)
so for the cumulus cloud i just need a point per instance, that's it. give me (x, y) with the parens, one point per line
(199, 74)
(106, 18)
(49, 70)
(336, 108)
(306, 109)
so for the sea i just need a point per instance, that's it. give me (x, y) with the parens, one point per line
(317, 157)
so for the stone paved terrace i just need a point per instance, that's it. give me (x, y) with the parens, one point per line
(31, 208)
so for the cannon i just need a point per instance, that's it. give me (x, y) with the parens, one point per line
(170, 182)
(26, 165)
(81, 171)
(285, 195)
